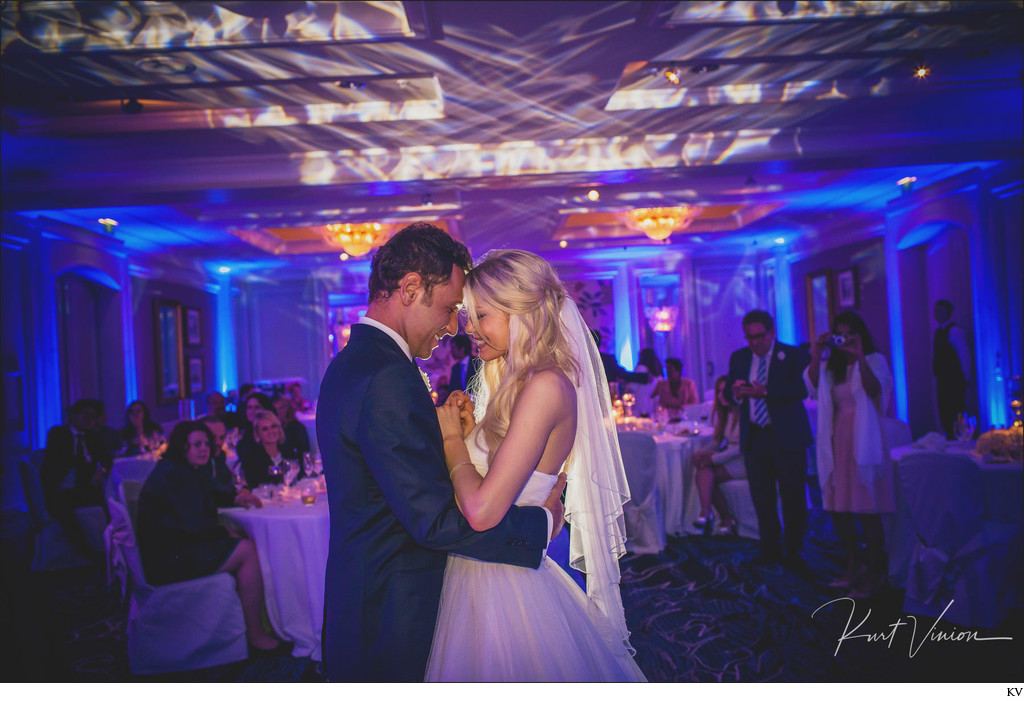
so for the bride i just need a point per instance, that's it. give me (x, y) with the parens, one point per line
(542, 407)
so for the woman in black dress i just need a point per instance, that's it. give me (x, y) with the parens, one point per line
(270, 449)
(180, 538)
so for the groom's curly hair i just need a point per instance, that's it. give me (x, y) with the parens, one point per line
(418, 248)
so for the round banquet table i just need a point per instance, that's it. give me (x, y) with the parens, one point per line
(292, 541)
(673, 473)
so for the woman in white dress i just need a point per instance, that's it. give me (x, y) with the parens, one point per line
(543, 407)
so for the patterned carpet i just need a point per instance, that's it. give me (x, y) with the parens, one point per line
(701, 611)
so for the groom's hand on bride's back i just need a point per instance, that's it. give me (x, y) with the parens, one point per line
(556, 507)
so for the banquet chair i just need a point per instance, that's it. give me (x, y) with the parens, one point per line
(645, 524)
(959, 559)
(52, 550)
(897, 433)
(698, 412)
(182, 626)
(737, 495)
(114, 537)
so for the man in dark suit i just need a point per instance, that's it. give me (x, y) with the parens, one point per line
(766, 381)
(392, 508)
(74, 466)
(465, 366)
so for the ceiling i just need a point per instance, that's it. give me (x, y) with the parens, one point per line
(233, 131)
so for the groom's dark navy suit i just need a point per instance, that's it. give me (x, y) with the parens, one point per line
(776, 454)
(393, 514)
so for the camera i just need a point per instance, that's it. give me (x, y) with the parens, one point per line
(837, 340)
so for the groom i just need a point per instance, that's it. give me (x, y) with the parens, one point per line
(393, 511)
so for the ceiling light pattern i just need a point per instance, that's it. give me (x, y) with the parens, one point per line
(541, 158)
(759, 10)
(658, 223)
(119, 26)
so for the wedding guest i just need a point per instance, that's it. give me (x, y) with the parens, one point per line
(722, 463)
(109, 437)
(271, 449)
(294, 432)
(221, 473)
(463, 368)
(180, 537)
(644, 392)
(614, 372)
(765, 381)
(294, 392)
(856, 475)
(951, 365)
(253, 404)
(75, 464)
(140, 432)
(677, 391)
(217, 405)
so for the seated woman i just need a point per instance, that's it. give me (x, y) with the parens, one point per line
(180, 539)
(294, 432)
(647, 363)
(677, 391)
(720, 464)
(255, 402)
(140, 433)
(294, 393)
(271, 448)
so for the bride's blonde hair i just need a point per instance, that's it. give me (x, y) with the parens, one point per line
(526, 288)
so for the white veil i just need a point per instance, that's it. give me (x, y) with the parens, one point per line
(596, 485)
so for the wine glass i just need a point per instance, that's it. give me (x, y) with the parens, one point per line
(307, 464)
(964, 427)
(291, 471)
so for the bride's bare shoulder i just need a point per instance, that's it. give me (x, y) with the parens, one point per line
(549, 387)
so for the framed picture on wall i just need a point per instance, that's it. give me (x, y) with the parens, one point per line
(195, 376)
(846, 288)
(193, 328)
(168, 355)
(819, 302)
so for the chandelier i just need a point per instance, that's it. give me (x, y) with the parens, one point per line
(356, 239)
(662, 318)
(658, 223)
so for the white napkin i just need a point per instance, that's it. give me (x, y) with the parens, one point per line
(931, 441)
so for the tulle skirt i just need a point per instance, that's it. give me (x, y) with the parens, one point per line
(501, 623)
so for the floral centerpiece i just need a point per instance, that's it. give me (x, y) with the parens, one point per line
(1004, 443)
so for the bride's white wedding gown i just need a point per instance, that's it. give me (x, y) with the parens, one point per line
(515, 624)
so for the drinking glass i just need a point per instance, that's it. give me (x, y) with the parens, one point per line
(307, 464)
(628, 400)
(964, 427)
(291, 471)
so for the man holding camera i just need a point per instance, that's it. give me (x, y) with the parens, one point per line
(766, 382)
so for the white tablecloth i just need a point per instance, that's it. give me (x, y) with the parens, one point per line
(1004, 489)
(137, 468)
(674, 477)
(292, 542)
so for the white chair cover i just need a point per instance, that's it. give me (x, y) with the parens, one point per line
(958, 556)
(698, 412)
(52, 550)
(896, 432)
(186, 625)
(645, 526)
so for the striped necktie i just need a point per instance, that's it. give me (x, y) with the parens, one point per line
(760, 407)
